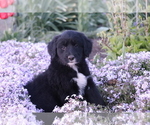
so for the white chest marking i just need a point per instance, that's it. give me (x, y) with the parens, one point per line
(81, 82)
(81, 79)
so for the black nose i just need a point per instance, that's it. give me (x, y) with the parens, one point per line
(71, 57)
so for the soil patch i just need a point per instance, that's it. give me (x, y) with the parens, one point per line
(97, 49)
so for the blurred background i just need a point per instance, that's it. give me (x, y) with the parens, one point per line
(118, 26)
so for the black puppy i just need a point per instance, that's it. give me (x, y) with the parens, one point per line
(67, 74)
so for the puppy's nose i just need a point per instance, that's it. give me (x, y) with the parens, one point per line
(71, 57)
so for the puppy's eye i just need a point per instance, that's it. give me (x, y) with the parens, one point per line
(63, 47)
(76, 45)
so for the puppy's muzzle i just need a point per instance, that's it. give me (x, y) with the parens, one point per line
(71, 58)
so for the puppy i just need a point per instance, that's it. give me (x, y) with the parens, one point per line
(67, 74)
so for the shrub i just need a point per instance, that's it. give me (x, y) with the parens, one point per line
(117, 45)
(129, 31)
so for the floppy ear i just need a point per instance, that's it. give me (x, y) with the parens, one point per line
(87, 46)
(52, 46)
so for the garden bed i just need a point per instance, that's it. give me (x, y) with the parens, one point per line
(125, 83)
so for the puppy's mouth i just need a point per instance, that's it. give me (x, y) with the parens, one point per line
(71, 63)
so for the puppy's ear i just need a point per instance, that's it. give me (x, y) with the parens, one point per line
(52, 46)
(87, 46)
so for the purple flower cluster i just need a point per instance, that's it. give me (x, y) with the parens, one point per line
(132, 82)
(21, 61)
(84, 118)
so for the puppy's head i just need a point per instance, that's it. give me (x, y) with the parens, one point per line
(71, 47)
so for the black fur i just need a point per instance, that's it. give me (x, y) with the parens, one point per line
(52, 86)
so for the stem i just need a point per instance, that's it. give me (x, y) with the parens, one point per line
(123, 50)
(146, 3)
(137, 20)
(105, 44)
(146, 16)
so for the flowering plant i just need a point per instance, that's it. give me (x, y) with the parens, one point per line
(19, 62)
(125, 86)
(126, 82)
(5, 4)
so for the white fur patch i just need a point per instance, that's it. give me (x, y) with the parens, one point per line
(72, 65)
(81, 79)
(81, 82)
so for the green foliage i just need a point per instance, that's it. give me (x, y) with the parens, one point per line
(133, 44)
(129, 31)
(36, 18)
(9, 35)
(90, 18)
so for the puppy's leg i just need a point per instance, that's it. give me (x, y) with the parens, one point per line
(92, 93)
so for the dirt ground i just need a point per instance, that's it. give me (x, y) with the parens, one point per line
(97, 49)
